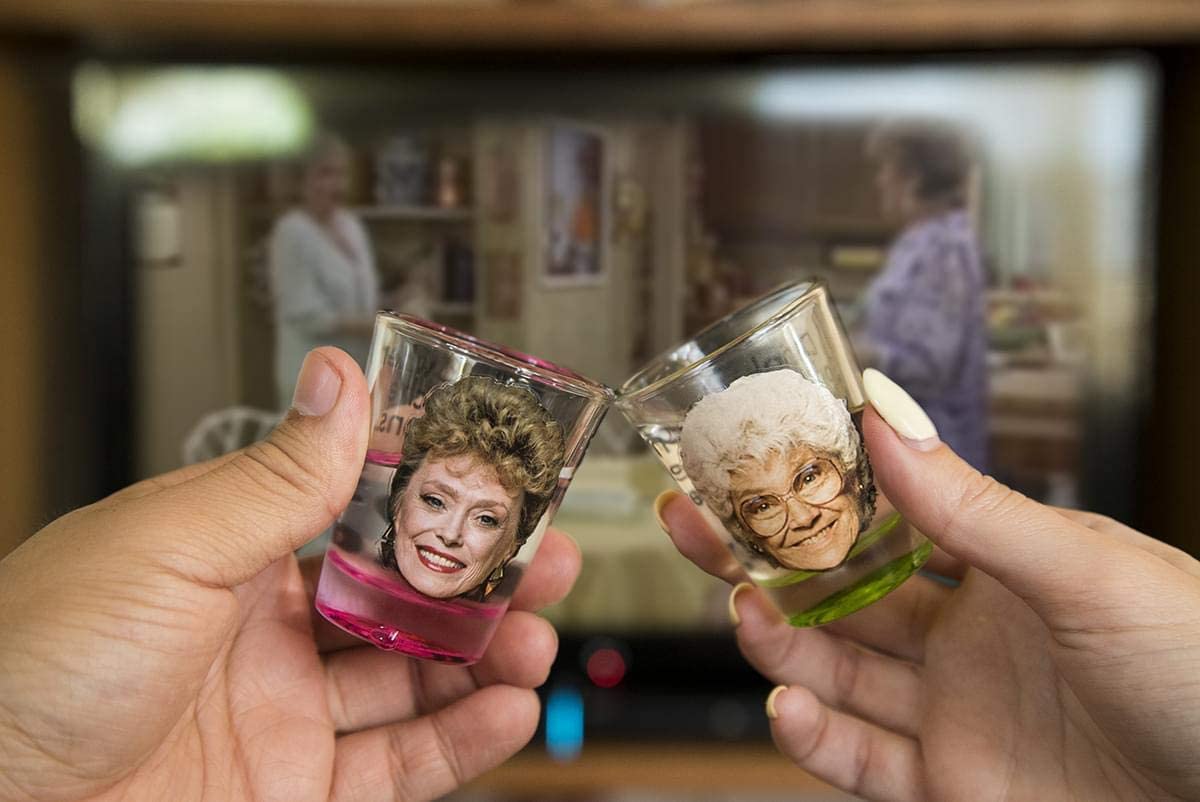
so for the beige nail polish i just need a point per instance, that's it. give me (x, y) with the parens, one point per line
(901, 412)
(734, 618)
(772, 713)
(664, 498)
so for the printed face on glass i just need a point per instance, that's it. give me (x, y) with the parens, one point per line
(479, 468)
(778, 458)
(758, 419)
(472, 447)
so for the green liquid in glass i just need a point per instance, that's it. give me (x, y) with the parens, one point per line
(871, 588)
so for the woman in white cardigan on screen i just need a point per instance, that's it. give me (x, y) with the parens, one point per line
(323, 273)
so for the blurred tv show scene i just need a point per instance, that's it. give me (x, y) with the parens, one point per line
(999, 227)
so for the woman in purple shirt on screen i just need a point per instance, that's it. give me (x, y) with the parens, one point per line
(925, 323)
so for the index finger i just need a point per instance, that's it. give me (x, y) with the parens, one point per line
(1109, 527)
(550, 574)
(695, 539)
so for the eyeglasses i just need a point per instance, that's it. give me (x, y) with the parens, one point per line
(817, 483)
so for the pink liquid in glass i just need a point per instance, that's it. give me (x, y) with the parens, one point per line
(378, 605)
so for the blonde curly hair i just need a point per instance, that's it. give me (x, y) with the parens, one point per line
(504, 427)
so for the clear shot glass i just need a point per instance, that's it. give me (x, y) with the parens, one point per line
(472, 448)
(758, 419)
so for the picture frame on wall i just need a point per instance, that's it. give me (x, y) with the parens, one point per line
(575, 192)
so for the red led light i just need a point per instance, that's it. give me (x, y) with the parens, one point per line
(606, 668)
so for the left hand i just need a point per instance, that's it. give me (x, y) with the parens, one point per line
(159, 644)
(1063, 666)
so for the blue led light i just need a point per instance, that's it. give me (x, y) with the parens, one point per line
(564, 723)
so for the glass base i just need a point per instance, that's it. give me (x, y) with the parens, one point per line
(871, 588)
(382, 609)
(391, 639)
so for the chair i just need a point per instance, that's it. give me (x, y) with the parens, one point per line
(227, 430)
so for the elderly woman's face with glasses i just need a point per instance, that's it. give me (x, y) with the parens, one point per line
(796, 504)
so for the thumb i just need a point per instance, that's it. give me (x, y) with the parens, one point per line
(224, 526)
(1054, 564)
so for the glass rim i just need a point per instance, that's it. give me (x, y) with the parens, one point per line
(531, 367)
(807, 288)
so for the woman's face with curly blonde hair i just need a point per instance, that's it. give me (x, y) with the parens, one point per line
(480, 467)
(455, 525)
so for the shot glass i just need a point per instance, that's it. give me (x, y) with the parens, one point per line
(472, 447)
(758, 419)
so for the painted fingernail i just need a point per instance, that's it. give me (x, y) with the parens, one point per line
(734, 618)
(901, 412)
(772, 713)
(317, 387)
(664, 498)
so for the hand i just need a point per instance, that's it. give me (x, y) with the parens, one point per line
(1066, 665)
(159, 643)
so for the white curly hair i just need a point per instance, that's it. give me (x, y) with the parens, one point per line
(756, 416)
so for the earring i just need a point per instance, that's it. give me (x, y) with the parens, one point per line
(387, 549)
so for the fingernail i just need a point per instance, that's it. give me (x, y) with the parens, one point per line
(317, 387)
(901, 412)
(664, 498)
(772, 713)
(734, 618)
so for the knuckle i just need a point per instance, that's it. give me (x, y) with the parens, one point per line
(1091, 520)
(1101, 524)
(447, 753)
(443, 755)
(283, 471)
(764, 649)
(980, 496)
(846, 672)
(421, 768)
(401, 769)
(335, 699)
(818, 740)
(860, 765)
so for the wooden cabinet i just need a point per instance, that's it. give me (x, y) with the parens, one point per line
(842, 186)
(753, 178)
(805, 181)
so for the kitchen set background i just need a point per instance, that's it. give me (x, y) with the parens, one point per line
(676, 215)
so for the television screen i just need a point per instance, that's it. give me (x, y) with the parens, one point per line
(982, 227)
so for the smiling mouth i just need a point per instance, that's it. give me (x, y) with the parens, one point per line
(436, 561)
(823, 530)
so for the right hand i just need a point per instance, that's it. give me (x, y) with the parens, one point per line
(1066, 665)
(159, 644)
